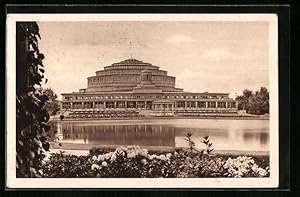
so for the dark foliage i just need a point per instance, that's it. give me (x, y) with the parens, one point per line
(254, 103)
(52, 105)
(32, 117)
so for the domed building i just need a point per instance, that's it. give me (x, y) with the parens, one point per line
(135, 85)
(130, 75)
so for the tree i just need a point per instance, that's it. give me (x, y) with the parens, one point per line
(262, 100)
(244, 99)
(52, 105)
(31, 116)
(254, 103)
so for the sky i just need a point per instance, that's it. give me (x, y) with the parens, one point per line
(212, 56)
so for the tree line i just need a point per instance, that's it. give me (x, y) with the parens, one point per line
(254, 102)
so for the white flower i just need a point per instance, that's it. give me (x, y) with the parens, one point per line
(162, 157)
(143, 161)
(150, 157)
(131, 155)
(94, 158)
(104, 163)
(41, 172)
(169, 155)
(95, 166)
(262, 172)
(175, 153)
(100, 158)
(143, 152)
(43, 162)
(154, 156)
(113, 157)
(254, 168)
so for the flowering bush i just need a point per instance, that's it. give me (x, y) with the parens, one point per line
(243, 166)
(134, 161)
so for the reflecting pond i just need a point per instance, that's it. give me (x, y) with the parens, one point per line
(226, 134)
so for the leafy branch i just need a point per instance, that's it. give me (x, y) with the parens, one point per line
(191, 143)
(208, 149)
(32, 117)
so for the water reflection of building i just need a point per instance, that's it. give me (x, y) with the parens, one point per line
(144, 135)
(133, 84)
(166, 134)
(261, 138)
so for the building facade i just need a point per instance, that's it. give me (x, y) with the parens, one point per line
(135, 85)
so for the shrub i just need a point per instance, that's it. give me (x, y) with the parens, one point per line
(243, 166)
(68, 166)
(133, 161)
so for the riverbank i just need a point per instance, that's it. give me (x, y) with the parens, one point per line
(56, 119)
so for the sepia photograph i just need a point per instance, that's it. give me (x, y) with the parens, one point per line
(142, 101)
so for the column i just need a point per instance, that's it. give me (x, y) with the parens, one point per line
(71, 105)
(71, 128)
(196, 104)
(115, 104)
(216, 104)
(145, 103)
(185, 104)
(136, 106)
(104, 104)
(82, 103)
(206, 104)
(125, 104)
(93, 104)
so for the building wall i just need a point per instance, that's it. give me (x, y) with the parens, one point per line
(125, 100)
(127, 82)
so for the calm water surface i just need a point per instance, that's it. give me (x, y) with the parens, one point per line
(246, 135)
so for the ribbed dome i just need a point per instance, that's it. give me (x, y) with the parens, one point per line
(126, 75)
(131, 62)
